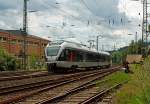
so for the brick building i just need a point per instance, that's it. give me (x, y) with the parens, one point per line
(12, 42)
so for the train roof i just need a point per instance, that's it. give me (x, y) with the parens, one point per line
(81, 46)
(103, 52)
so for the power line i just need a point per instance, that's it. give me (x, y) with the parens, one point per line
(83, 2)
(62, 11)
(77, 18)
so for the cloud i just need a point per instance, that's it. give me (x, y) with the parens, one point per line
(114, 19)
(7, 4)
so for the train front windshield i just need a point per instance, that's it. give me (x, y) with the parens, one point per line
(52, 51)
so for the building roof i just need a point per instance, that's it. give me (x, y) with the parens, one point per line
(15, 32)
(1, 30)
(19, 32)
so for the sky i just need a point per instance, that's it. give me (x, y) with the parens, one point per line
(113, 20)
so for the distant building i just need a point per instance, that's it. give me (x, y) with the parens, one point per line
(134, 58)
(12, 42)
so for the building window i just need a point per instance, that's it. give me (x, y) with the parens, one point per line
(43, 57)
(13, 41)
(30, 43)
(20, 41)
(44, 44)
(35, 44)
(3, 39)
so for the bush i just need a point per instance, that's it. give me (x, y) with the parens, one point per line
(7, 61)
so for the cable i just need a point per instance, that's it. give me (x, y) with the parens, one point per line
(83, 2)
(61, 10)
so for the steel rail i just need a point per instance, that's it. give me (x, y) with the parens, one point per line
(38, 84)
(81, 87)
(43, 83)
(11, 73)
(16, 77)
(100, 94)
(16, 98)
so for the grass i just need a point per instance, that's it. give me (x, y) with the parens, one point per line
(137, 90)
(113, 79)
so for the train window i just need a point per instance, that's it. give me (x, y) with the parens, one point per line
(65, 55)
(68, 54)
(89, 57)
(108, 58)
(58, 42)
(102, 58)
(62, 56)
(52, 51)
(66, 51)
(79, 56)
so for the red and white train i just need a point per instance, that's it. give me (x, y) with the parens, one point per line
(64, 55)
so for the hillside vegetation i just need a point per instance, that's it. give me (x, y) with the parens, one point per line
(134, 48)
(137, 90)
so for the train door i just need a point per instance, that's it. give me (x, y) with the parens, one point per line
(68, 55)
(72, 56)
(63, 55)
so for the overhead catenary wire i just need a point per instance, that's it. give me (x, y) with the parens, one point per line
(90, 10)
(65, 12)
(81, 19)
(61, 11)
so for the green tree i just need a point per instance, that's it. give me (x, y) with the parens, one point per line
(133, 48)
(33, 61)
(118, 56)
(7, 61)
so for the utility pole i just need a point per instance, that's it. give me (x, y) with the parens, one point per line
(97, 37)
(114, 47)
(136, 40)
(24, 34)
(97, 43)
(145, 31)
(103, 47)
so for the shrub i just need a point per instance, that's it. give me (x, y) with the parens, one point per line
(7, 61)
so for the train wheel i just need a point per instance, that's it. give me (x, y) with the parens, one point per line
(74, 68)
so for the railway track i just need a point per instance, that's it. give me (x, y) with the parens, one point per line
(21, 75)
(36, 82)
(32, 94)
(99, 98)
(87, 93)
(17, 73)
(28, 81)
